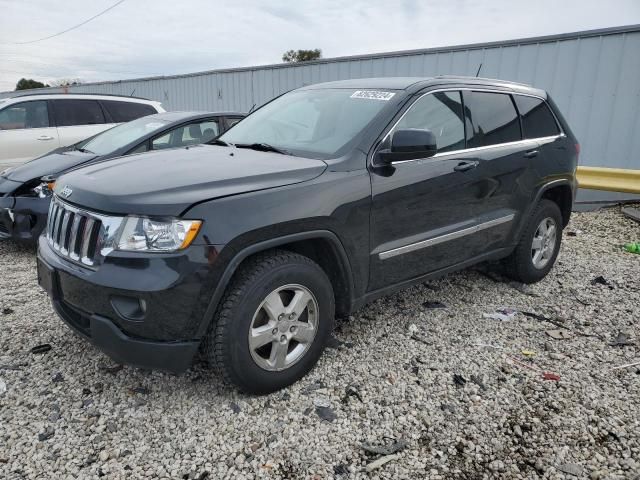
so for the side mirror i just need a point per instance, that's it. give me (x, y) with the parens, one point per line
(409, 144)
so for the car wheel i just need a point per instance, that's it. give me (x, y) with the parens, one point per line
(272, 323)
(539, 245)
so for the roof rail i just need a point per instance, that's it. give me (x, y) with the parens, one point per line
(26, 94)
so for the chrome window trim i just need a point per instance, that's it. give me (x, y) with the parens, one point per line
(473, 149)
(444, 238)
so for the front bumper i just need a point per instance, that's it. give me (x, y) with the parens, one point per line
(23, 218)
(93, 303)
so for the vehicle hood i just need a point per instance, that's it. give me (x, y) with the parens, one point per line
(50, 164)
(169, 182)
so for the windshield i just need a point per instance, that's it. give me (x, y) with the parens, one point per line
(314, 123)
(117, 137)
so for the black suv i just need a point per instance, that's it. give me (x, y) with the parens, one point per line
(320, 201)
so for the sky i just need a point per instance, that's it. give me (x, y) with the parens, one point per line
(140, 38)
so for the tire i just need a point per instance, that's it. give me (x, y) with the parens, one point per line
(522, 265)
(250, 304)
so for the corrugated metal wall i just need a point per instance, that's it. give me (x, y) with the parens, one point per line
(593, 76)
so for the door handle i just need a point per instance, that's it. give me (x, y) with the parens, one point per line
(45, 137)
(464, 166)
(531, 154)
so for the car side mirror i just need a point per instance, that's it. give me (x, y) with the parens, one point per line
(409, 144)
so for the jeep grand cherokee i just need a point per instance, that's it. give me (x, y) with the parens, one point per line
(320, 201)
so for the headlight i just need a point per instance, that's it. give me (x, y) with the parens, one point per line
(141, 234)
(44, 189)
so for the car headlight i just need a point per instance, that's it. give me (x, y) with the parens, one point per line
(44, 189)
(140, 234)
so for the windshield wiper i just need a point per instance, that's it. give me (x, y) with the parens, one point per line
(263, 147)
(80, 149)
(217, 141)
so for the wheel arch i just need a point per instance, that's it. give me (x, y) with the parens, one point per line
(322, 246)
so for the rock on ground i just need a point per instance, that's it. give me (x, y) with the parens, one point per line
(67, 413)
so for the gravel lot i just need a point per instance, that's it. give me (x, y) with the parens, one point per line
(452, 384)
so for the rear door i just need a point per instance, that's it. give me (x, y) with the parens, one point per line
(504, 163)
(26, 131)
(78, 119)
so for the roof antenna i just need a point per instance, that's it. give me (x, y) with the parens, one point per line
(479, 68)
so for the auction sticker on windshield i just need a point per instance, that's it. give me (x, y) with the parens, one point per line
(373, 95)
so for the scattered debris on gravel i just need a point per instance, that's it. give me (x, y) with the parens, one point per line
(421, 384)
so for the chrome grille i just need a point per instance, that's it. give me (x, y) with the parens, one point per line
(73, 233)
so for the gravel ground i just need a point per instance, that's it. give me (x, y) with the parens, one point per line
(451, 387)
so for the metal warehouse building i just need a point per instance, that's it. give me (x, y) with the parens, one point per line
(594, 77)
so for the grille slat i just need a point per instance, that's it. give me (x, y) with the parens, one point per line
(86, 240)
(73, 233)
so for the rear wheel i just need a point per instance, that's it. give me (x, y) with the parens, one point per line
(539, 245)
(273, 322)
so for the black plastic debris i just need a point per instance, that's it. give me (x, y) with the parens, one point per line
(113, 369)
(340, 469)
(433, 304)
(57, 378)
(396, 446)
(600, 280)
(45, 347)
(7, 311)
(459, 380)
(326, 414)
(86, 392)
(235, 408)
(46, 435)
(335, 343)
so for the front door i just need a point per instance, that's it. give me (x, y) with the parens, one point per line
(25, 132)
(424, 211)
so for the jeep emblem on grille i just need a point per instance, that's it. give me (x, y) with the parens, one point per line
(66, 192)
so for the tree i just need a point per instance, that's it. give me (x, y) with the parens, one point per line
(302, 55)
(66, 82)
(27, 84)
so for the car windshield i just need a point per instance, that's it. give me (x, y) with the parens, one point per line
(117, 137)
(316, 123)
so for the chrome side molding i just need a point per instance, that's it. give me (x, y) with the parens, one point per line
(444, 238)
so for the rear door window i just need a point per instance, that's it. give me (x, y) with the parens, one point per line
(126, 111)
(73, 112)
(537, 119)
(25, 115)
(491, 119)
(440, 112)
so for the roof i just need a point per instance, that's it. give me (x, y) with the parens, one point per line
(98, 96)
(415, 83)
(178, 116)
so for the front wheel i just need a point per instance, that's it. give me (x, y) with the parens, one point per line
(273, 322)
(539, 245)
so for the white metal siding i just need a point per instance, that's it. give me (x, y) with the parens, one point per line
(593, 76)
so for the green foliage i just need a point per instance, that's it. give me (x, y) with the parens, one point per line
(302, 55)
(27, 84)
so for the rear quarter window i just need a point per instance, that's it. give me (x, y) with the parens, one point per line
(537, 119)
(491, 119)
(126, 111)
(72, 112)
